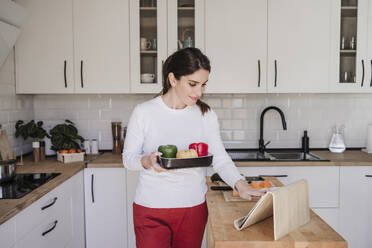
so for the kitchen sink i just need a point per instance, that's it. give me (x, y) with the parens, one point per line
(278, 155)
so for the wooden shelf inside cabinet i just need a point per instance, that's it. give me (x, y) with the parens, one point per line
(186, 8)
(148, 8)
(347, 52)
(349, 11)
(149, 51)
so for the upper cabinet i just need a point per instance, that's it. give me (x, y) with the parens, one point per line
(268, 46)
(298, 45)
(236, 43)
(351, 43)
(159, 28)
(74, 46)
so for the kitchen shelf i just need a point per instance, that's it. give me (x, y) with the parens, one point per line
(148, 8)
(186, 8)
(348, 51)
(149, 52)
(349, 11)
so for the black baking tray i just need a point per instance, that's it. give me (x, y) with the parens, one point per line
(180, 163)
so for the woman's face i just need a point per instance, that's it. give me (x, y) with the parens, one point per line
(191, 87)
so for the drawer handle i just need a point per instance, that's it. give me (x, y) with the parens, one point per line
(259, 73)
(92, 187)
(368, 175)
(51, 204)
(51, 229)
(273, 175)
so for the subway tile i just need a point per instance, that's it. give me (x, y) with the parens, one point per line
(238, 135)
(237, 103)
(223, 113)
(226, 103)
(214, 102)
(226, 135)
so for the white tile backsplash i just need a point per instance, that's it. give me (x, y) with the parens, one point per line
(13, 107)
(239, 116)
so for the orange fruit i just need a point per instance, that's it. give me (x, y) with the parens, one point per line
(63, 151)
(71, 151)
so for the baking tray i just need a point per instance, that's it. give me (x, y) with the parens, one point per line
(179, 163)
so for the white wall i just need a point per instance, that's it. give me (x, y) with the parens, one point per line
(13, 107)
(238, 115)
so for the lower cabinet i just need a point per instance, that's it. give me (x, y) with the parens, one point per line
(105, 207)
(356, 206)
(323, 181)
(55, 220)
(330, 215)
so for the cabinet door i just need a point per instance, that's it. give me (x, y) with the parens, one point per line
(44, 50)
(369, 57)
(298, 45)
(356, 205)
(7, 233)
(330, 215)
(77, 208)
(148, 27)
(105, 207)
(101, 44)
(236, 43)
(132, 180)
(349, 60)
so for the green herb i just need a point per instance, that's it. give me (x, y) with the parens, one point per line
(65, 136)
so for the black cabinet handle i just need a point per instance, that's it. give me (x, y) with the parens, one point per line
(362, 73)
(51, 204)
(64, 73)
(273, 175)
(51, 229)
(370, 84)
(368, 175)
(92, 187)
(276, 72)
(259, 73)
(81, 74)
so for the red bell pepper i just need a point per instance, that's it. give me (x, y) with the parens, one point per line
(201, 148)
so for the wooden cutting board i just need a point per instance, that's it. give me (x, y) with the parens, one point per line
(6, 150)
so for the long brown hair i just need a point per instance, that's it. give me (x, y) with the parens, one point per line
(185, 62)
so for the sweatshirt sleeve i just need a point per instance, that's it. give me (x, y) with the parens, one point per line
(133, 145)
(222, 162)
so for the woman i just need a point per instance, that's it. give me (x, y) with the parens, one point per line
(169, 208)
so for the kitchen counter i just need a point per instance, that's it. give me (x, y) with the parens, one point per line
(221, 231)
(348, 158)
(11, 207)
(107, 160)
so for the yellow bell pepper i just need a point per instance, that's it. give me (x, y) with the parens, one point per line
(191, 153)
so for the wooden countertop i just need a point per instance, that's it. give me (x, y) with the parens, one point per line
(348, 158)
(221, 231)
(10, 207)
(107, 160)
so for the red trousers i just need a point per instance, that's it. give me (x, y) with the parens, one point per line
(169, 227)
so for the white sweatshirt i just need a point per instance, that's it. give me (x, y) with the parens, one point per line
(152, 124)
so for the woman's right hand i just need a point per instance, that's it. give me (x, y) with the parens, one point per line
(149, 161)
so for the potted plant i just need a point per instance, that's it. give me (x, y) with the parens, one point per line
(66, 142)
(35, 131)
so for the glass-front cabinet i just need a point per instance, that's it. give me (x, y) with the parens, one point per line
(158, 28)
(351, 47)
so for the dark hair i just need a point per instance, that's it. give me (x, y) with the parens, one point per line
(185, 62)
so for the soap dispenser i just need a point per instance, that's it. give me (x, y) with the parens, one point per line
(337, 143)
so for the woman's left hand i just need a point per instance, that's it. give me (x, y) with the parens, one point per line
(245, 191)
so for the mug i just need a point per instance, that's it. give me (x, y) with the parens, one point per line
(188, 43)
(145, 44)
(147, 77)
(87, 146)
(153, 44)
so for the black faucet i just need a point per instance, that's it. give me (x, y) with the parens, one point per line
(261, 143)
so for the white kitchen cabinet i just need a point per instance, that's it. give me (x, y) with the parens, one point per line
(356, 205)
(44, 50)
(167, 24)
(7, 233)
(351, 64)
(236, 43)
(290, 38)
(323, 181)
(105, 207)
(55, 220)
(78, 211)
(298, 45)
(74, 46)
(132, 180)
